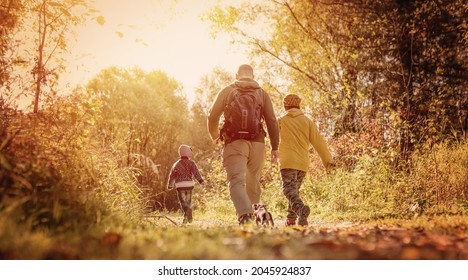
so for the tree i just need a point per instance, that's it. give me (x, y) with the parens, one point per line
(53, 22)
(142, 116)
(431, 49)
(10, 13)
(34, 36)
(206, 92)
(399, 64)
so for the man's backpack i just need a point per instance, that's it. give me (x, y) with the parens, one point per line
(242, 115)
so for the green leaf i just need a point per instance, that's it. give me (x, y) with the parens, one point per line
(66, 12)
(55, 4)
(101, 20)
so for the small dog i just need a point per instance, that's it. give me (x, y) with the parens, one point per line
(261, 215)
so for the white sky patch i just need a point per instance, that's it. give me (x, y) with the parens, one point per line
(153, 35)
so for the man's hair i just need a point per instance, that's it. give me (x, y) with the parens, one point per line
(245, 71)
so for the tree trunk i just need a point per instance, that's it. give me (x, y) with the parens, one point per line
(39, 66)
(405, 52)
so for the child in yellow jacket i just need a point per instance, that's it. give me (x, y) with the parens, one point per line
(297, 133)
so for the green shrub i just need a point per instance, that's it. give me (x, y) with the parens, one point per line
(55, 175)
(437, 183)
(363, 193)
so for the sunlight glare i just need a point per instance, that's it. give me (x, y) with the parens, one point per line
(153, 35)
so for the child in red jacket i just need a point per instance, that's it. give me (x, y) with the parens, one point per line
(181, 176)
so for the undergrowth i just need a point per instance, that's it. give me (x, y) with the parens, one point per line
(436, 184)
(57, 181)
(54, 177)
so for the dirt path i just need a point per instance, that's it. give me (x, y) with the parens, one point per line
(165, 239)
(347, 240)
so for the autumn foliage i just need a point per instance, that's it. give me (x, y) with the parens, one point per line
(383, 80)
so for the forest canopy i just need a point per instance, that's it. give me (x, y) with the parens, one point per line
(398, 67)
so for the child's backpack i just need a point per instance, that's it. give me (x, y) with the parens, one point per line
(242, 114)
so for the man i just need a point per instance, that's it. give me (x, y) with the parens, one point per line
(297, 132)
(243, 158)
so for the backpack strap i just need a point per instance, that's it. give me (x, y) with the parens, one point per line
(230, 95)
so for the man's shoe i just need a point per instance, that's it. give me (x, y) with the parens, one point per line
(303, 214)
(290, 222)
(244, 219)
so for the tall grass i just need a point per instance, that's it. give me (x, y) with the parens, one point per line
(365, 192)
(55, 176)
(436, 183)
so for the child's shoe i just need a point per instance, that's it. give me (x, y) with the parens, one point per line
(303, 214)
(189, 215)
(290, 222)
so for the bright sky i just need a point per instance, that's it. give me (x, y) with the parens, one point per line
(162, 35)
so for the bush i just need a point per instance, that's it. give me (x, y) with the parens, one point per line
(213, 199)
(54, 175)
(363, 193)
(437, 183)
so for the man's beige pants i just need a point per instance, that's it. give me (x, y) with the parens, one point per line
(243, 161)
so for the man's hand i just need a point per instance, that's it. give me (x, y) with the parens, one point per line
(274, 156)
(217, 140)
(330, 167)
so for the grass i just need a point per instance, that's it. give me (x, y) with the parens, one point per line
(158, 239)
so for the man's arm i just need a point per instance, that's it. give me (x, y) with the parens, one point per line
(215, 113)
(271, 122)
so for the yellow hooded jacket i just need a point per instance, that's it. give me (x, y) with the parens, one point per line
(297, 132)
